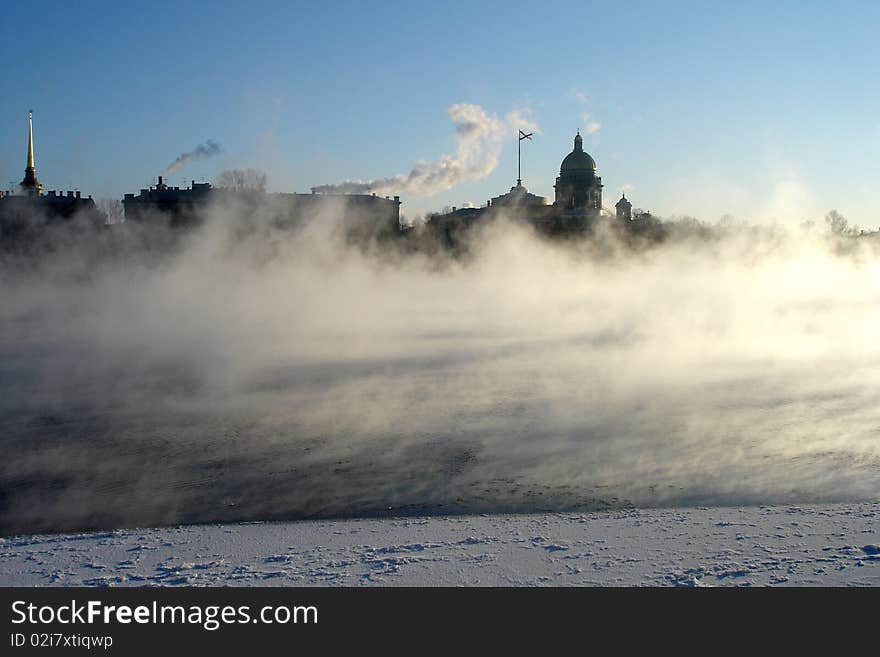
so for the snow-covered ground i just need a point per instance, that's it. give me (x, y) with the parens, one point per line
(792, 545)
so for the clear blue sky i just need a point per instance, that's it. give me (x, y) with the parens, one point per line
(761, 110)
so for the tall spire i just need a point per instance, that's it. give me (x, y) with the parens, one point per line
(30, 184)
(30, 164)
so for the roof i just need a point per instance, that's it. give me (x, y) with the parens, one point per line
(578, 159)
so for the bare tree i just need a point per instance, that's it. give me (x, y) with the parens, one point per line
(242, 180)
(112, 210)
(838, 224)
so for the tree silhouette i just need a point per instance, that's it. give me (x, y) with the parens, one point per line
(838, 224)
(242, 180)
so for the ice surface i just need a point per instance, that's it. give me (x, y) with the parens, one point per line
(744, 546)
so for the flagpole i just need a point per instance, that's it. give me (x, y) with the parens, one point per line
(519, 160)
(521, 136)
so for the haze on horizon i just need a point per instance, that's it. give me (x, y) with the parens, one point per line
(761, 112)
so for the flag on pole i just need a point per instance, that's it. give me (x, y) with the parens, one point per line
(522, 135)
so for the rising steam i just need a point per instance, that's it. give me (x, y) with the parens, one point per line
(201, 152)
(251, 372)
(479, 138)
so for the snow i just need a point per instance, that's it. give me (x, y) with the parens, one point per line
(747, 546)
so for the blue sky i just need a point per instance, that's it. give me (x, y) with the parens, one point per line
(766, 111)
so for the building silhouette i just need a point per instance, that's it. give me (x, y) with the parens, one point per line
(26, 210)
(624, 209)
(578, 188)
(576, 207)
(362, 215)
(178, 207)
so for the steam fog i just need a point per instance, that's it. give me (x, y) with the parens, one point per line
(247, 372)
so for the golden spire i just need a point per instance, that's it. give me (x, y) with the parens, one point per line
(30, 184)
(30, 164)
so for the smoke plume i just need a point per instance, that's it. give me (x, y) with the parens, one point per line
(479, 138)
(201, 152)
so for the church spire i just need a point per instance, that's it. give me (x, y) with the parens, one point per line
(30, 184)
(30, 164)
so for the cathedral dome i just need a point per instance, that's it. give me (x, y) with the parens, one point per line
(578, 159)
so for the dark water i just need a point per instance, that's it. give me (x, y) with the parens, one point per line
(409, 437)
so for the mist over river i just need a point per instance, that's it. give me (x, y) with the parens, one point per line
(283, 374)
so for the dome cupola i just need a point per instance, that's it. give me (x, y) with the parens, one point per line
(578, 187)
(578, 160)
